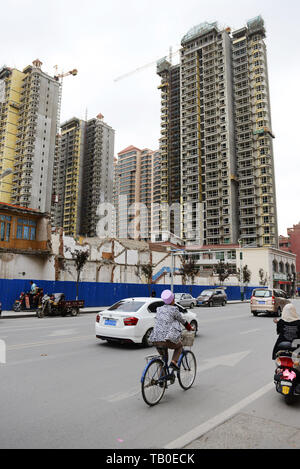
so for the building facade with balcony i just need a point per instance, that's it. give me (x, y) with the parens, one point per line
(28, 125)
(269, 267)
(83, 175)
(225, 158)
(136, 176)
(25, 243)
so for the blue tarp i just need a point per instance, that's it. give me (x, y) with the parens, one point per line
(102, 294)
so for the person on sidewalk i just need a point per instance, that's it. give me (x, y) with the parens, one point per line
(288, 327)
(167, 329)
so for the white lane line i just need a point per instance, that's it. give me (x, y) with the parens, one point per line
(49, 342)
(250, 331)
(125, 395)
(205, 427)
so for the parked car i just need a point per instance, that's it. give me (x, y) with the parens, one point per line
(268, 300)
(212, 297)
(132, 320)
(185, 299)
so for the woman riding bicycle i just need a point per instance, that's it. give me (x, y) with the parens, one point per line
(167, 330)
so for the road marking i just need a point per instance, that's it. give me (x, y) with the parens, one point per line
(62, 332)
(250, 331)
(224, 360)
(217, 420)
(121, 396)
(49, 342)
(223, 318)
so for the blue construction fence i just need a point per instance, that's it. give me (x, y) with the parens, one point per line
(103, 294)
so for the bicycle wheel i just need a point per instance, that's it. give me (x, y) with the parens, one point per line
(153, 387)
(187, 369)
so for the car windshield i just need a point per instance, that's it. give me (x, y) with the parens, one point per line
(127, 306)
(262, 293)
(206, 293)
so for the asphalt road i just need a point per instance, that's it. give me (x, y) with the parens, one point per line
(62, 388)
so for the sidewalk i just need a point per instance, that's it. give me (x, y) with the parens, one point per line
(90, 310)
(32, 314)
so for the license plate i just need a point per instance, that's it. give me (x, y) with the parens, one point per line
(110, 322)
(200, 302)
(285, 390)
(286, 383)
(261, 302)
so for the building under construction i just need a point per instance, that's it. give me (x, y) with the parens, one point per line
(28, 123)
(83, 175)
(219, 120)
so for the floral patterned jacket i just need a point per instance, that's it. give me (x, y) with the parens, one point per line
(167, 325)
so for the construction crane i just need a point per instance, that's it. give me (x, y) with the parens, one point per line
(59, 77)
(62, 75)
(150, 64)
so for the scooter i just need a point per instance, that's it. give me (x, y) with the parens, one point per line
(287, 373)
(45, 307)
(26, 301)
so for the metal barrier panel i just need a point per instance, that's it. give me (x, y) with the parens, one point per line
(103, 294)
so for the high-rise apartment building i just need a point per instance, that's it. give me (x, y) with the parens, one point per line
(226, 167)
(28, 124)
(133, 195)
(169, 143)
(83, 175)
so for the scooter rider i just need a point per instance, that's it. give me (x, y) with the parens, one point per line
(288, 327)
(167, 330)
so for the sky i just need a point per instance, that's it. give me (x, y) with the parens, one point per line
(105, 40)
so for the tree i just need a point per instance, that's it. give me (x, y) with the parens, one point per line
(146, 271)
(80, 257)
(223, 271)
(246, 274)
(189, 269)
(263, 277)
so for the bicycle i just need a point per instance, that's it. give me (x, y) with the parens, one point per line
(157, 374)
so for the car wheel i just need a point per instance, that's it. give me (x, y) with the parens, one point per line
(224, 303)
(255, 313)
(74, 312)
(146, 342)
(194, 325)
(278, 312)
(210, 303)
(192, 305)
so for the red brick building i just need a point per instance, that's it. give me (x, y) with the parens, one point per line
(291, 243)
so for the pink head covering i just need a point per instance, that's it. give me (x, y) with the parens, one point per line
(167, 296)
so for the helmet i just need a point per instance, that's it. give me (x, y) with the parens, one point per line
(167, 296)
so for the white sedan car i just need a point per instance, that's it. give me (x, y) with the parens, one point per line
(132, 320)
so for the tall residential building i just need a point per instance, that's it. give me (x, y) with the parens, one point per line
(133, 194)
(28, 123)
(169, 142)
(227, 182)
(83, 175)
(156, 197)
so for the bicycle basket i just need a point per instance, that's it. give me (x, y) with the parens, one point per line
(187, 338)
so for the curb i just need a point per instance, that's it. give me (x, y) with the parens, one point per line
(33, 315)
